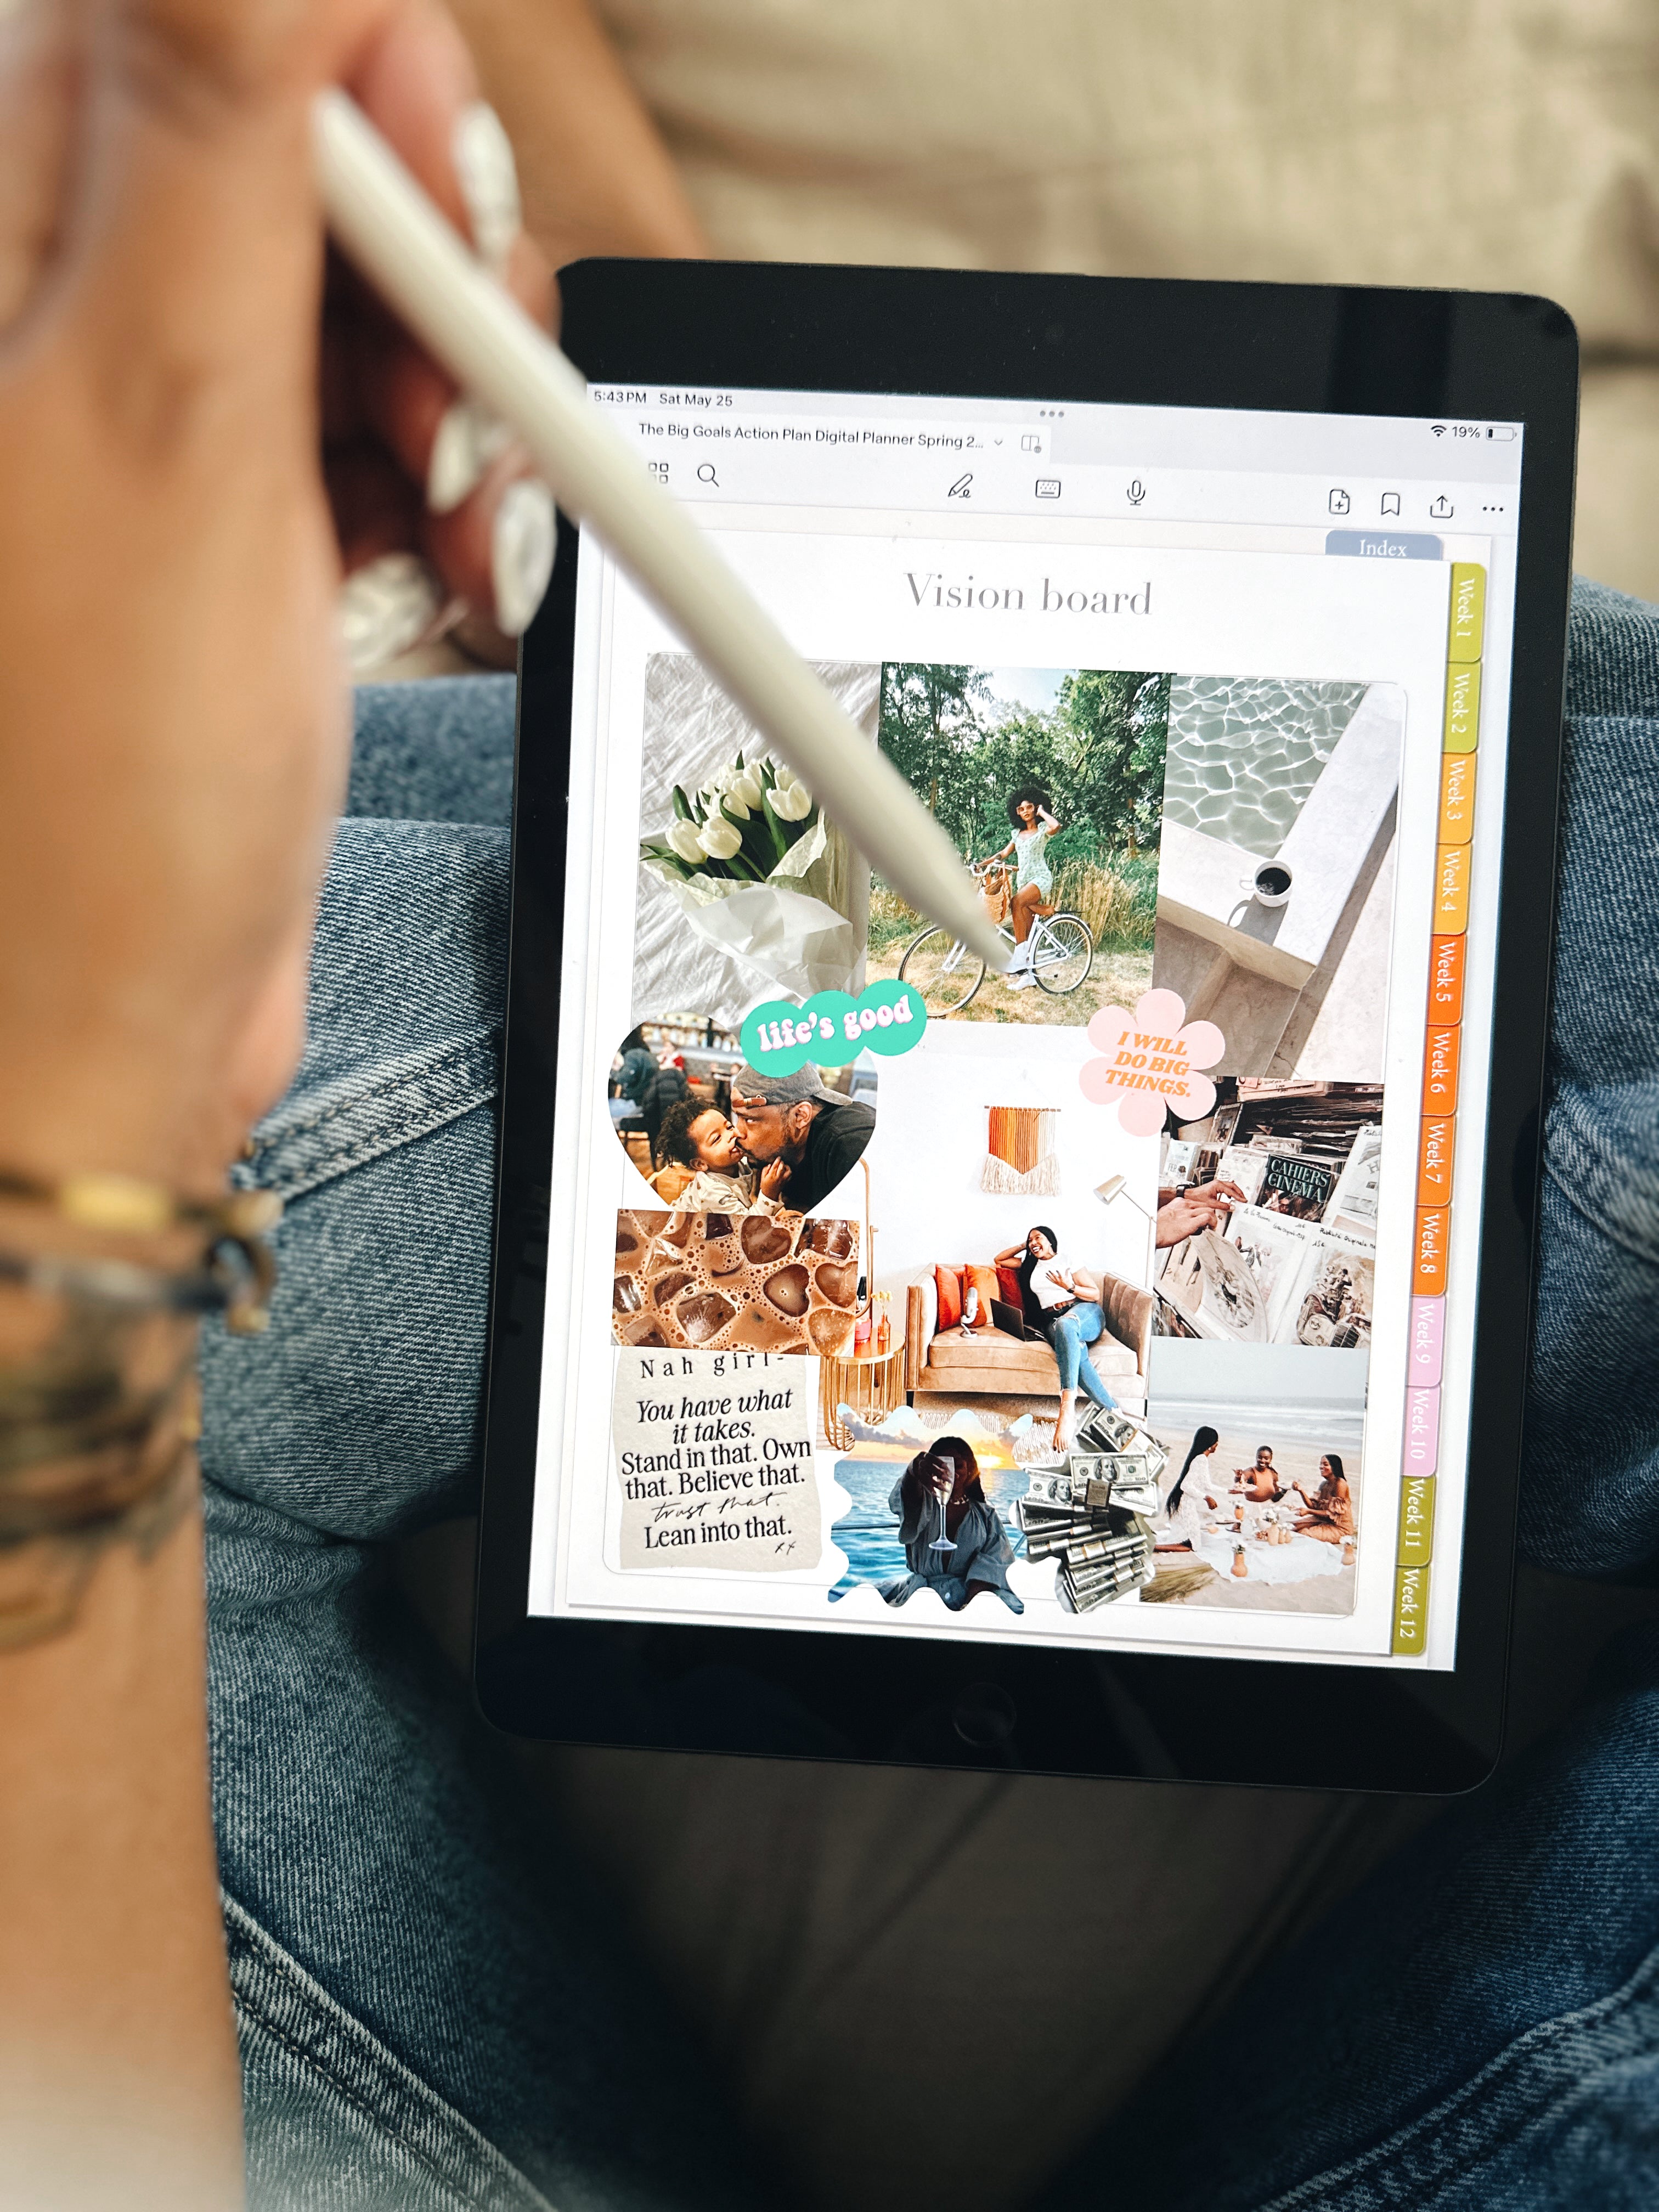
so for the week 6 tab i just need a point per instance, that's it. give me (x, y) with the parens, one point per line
(1440, 1060)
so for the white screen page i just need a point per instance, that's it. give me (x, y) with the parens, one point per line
(1125, 1298)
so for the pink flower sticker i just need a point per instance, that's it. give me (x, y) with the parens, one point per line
(1152, 1056)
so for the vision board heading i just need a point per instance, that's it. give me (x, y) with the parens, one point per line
(1059, 595)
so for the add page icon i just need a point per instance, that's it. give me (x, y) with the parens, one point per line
(1339, 503)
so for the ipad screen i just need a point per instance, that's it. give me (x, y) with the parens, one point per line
(1125, 1298)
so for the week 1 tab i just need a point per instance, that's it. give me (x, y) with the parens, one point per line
(1468, 611)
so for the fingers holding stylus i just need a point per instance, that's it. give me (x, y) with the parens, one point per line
(459, 521)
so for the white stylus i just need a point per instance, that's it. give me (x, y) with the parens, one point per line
(417, 262)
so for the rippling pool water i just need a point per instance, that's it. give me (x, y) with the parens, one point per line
(1246, 751)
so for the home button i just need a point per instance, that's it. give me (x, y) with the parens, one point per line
(984, 1714)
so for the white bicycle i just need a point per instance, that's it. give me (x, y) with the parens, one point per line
(947, 974)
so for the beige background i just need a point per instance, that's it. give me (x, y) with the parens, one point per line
(1506, 145)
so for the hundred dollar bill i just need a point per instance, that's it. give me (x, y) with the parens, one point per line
(1048, 1543)
(1110, 1429)
(1038, 1513)
(1099, 1593)
(1080, 1554)
(1048, 1485)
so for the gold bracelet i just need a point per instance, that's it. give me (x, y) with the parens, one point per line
(99, 1410)
(236, 1274)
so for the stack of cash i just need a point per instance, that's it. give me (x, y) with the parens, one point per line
(1091, 1516)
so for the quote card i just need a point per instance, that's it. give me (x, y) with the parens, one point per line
(715, 1457)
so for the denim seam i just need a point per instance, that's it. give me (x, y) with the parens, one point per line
(1625, 1242)
(1429, 2142)
(487, 2168)
(460, 1050)
(295, 1157)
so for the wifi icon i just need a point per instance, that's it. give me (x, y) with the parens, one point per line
(1439, 430)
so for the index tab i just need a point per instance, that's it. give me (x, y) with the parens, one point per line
(1468, 611)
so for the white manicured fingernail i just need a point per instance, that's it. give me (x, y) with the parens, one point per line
(488, 179)
(521, 549)
(469, 439)
(385, 608)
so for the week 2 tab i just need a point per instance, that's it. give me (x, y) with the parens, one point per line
(1463, 705)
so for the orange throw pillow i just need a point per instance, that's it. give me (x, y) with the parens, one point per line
(984, 1280)
(950, 1297)
(1009, 1278)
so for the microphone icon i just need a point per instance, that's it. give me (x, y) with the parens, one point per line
(1137, 492)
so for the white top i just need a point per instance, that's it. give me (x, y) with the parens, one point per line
(1047, 1291)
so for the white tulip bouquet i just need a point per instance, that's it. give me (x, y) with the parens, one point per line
(737, 828)
(756, 870)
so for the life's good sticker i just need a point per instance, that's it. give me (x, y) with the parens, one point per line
(833, 1027)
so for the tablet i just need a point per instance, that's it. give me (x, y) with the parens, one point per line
(1114, 1364)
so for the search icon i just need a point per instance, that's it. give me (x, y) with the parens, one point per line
(705, 475)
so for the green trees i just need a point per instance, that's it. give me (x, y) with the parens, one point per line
(1098, 752)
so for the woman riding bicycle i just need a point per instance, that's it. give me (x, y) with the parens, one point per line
(1030, 812)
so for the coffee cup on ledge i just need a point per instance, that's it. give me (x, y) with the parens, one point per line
(1271, 885)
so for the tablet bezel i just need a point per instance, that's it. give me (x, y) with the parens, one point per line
(945, 1701)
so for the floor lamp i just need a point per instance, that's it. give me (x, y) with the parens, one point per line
(1116, 1186)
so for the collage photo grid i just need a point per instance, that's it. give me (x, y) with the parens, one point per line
(1062, 1277)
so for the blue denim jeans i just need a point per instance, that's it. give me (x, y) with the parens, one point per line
(424, 2025)
(1071, 1337)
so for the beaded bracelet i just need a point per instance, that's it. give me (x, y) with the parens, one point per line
(236, 1275)
(97, 1422)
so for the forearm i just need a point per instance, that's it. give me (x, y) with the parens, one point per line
(118, 2080)
(596, 176)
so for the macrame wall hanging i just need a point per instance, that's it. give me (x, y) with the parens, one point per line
(1020, 1158)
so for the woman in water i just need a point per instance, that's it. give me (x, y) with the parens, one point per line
(1034, 824)
(954, 1543)
(1329, 1517)
(1064, 1304)
(1187, 1508)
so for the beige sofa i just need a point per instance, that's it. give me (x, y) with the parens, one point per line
(989, 1362)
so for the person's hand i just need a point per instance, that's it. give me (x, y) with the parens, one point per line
(773, 1177)
(412, 468)
(1220, 1195)
(172, 713)
(1200, 1207)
